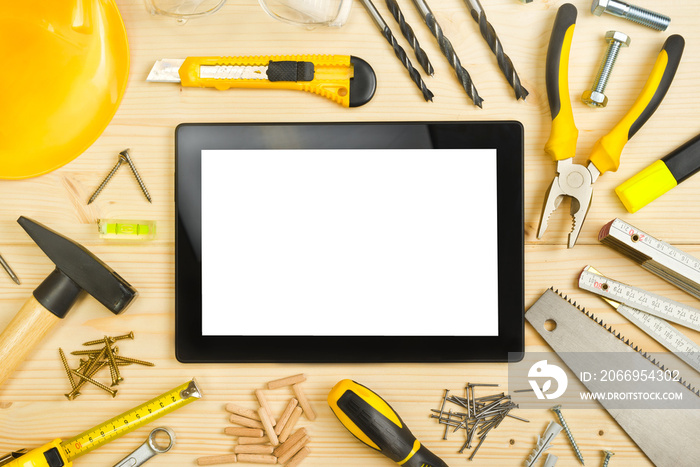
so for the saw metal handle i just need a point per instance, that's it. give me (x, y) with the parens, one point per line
(608, 149)
(562, 140)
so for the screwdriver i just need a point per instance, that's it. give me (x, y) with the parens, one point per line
(372, 420)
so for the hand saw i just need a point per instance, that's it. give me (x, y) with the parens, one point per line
(346, 80)
(59, 453)
(667, 436)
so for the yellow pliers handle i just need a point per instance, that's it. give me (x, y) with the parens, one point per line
(344, 79)
(562, 140)
(608, 149)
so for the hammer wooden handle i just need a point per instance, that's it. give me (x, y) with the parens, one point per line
(29, 326)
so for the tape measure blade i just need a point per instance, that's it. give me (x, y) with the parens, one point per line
(131, 420)
(575, 334)
(635, 297)
(665, 334)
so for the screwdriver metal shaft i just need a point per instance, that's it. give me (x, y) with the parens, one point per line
(407, 32)
(9, 270)
(489, 34)
(398, 50)
(448, 51)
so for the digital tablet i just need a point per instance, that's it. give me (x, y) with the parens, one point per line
(349, 242)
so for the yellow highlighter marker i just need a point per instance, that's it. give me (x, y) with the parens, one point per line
(660, 176)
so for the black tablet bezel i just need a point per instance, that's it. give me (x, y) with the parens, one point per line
(192, 347)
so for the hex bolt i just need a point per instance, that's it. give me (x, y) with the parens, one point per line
(595, 97)
(633, 13)
(557, 410)
(608, 455)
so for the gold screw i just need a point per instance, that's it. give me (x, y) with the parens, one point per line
(113, 392)
(112, 339)
(90, 367)
(113, 369)
(133, 360)
(86, 352)
(65, 365)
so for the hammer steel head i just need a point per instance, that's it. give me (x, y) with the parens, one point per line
(82, 267)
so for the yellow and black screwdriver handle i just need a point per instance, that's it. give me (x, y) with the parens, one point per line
(608, 149)
(372, 420)
(344, 79)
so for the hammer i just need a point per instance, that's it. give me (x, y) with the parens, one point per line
(76, 270)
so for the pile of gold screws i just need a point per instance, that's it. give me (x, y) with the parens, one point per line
(97, 359)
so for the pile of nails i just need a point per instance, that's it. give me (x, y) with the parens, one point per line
(97, 359)
(482, 414)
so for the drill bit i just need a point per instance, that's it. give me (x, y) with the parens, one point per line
(448, 51)
(489, 34)
(398, 50)
(407, 32)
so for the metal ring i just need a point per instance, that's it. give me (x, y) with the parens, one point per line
(152, 439)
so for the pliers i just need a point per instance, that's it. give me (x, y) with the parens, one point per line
(576, 180)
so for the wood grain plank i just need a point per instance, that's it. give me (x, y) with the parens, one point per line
(33, 409)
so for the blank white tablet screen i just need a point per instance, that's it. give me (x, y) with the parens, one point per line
(349, 242)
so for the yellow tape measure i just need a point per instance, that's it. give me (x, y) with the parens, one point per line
(60, 454)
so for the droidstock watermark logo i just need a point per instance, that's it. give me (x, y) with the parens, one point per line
(551, 373)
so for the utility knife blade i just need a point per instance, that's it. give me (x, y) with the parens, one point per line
(346, 80)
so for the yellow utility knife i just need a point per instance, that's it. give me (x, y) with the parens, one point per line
(347, 80)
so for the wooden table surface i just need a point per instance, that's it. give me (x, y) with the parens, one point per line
(33, 409)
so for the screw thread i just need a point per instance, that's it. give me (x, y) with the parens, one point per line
(125, 155)
(608, 455)
(606, 66)
(106, 180)
(569, 435)
(648, 18)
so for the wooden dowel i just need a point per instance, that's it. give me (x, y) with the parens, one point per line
(240, 431)
(245, 421)
(263, 403)
(267, 425)
(242, 411)
(288, 381)
(287, 445)
(304, 402)
(300, 456)
(285, 415)
(257, 458)
(296, 447)
(289, 426)
(246, 440)
(253, 449)
(216, 460)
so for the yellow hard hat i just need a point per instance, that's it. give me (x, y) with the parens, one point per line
(65, 67)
